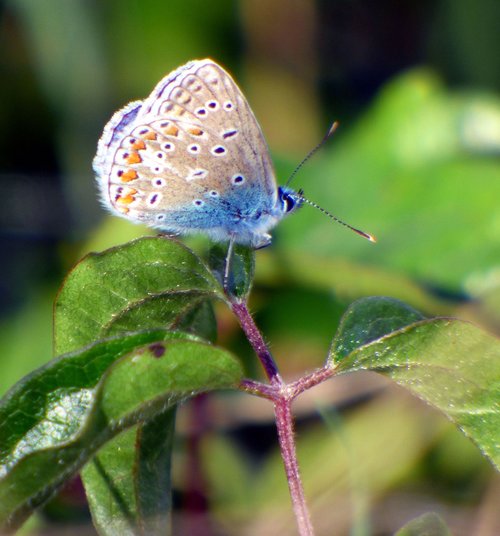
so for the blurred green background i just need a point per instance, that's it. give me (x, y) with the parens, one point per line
(415, 86)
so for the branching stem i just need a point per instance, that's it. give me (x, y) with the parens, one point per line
(284, 424)
(282, 395)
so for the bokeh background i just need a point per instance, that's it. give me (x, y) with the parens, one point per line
(415, 86)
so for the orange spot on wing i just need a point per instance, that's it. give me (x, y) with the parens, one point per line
(138, 145)
(128, 176)
(195, 131)
(171, 130)
(127, 197)
(134, 158)
(123, 210)
(149, 136)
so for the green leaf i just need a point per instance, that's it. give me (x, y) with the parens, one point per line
(242, 268)
(128, 481)
(429, 524)
(201, 321)
(153, 467)
(449, 363)
(367, 320)
(55, 419)
(109, 487)
(149, 283)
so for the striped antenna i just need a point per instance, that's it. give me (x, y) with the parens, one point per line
(300, 193)
(331, 130)
(368, 236)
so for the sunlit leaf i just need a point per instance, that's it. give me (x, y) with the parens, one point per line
(148, 283)
(450, 364)
(54, 420)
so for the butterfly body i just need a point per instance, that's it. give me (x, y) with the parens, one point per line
(192, 158)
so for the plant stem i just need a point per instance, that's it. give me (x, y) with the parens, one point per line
(255, 338)
(282, 395)
(260, 389)
(310, 380)
(284, 424)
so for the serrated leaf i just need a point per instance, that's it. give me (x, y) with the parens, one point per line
(55, 419)
(449, 363)
(149, 283)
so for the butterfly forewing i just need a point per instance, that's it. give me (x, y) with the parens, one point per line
(190, 157)
(203, 93)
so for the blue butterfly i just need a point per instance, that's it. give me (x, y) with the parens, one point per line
(191, 158)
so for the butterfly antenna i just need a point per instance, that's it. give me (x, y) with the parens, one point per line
(368, 236)
(331, 130)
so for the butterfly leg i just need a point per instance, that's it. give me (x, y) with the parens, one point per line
(227, 269)
(265, 240)
(166, 234)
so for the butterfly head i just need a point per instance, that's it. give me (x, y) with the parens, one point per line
(289, 199)
(256, 228)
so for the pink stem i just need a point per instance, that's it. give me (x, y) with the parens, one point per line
(284, 424)
(255, 338)
(282, 396)
(310, 380)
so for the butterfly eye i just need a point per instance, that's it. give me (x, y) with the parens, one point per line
(288, 200)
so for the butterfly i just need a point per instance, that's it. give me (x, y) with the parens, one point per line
(192, 158)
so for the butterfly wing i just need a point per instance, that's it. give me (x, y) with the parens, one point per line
(189, 157)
